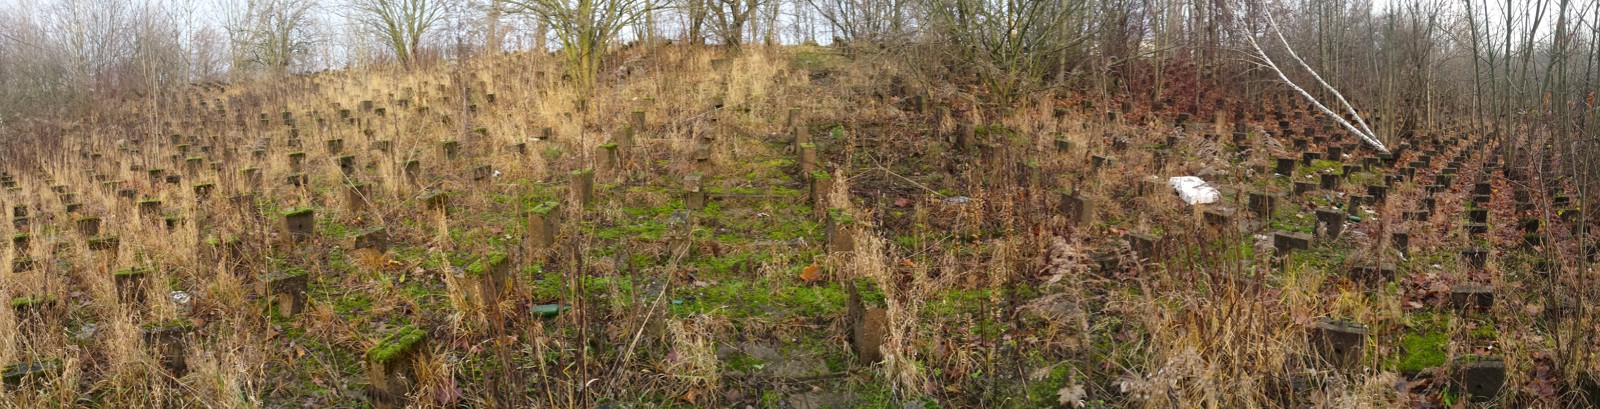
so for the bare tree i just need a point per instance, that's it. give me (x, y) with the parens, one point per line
(863, 20)
(207, 54)
(269, 35)
(585, 29)
(58, 56)
(695, 14)
(1008, 44)
(493, 34)
(400, 23)
(33, 74)
(731, 18)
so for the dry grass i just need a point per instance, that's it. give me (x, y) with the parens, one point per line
(993, 297)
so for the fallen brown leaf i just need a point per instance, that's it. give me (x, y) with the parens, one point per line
(811, 274)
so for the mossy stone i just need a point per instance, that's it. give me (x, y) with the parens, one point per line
(490, 262)
(543, 208)
(397, 345)
(130, 272)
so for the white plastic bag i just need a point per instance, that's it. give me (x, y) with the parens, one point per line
(1193, 190)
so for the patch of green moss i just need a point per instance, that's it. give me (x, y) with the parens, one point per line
(743, 362)
(489, 262)
(758, 298)
(957, 302)
(814, 301)
(298, 212)
(1043, 391)
(1322, 166)
(996, 130)
(29, 301)
(130, 272)
(450, 258)
(292, 272)
(215, 241)
(334, 228)
(778, 163)
(177, 324)
(1422, 351)
(396, 345)
(350, 304)
(543, 208)
(839, 216)
(637, 228)
(1486, 332)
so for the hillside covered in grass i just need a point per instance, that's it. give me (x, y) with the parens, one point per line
(799, 204)
(789, 227)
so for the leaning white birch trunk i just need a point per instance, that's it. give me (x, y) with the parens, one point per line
(1369, 138)
(1273, 24)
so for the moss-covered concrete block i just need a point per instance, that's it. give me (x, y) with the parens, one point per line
(391, 365)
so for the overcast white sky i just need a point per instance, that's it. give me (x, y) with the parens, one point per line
(212, 13)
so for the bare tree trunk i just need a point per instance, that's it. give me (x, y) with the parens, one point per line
(696, 14)
(493, 36)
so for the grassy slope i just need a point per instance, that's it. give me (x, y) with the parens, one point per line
(998, 302)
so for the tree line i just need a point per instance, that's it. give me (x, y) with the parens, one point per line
(1507, 63)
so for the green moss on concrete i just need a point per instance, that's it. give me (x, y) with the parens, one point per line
(131, 272)
(543, 208)
(397, 345)
(488, 263)
(29, 301)
(839, 216)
